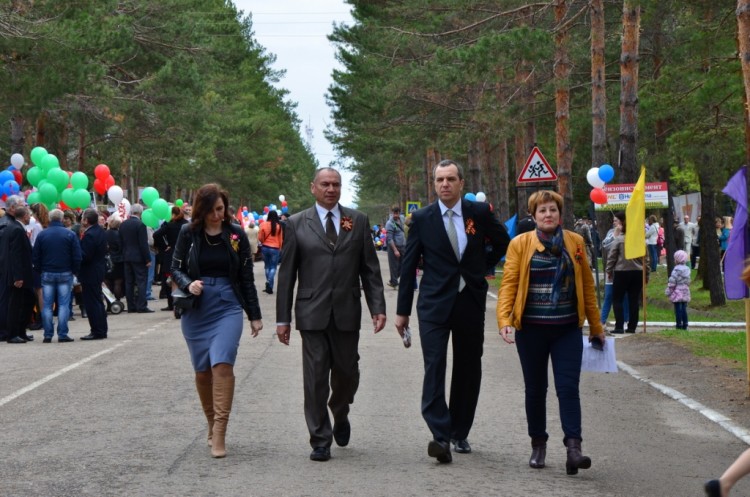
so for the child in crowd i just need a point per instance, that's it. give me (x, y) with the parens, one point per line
(678, 289)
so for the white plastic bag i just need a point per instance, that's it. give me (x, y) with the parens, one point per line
(599, 361)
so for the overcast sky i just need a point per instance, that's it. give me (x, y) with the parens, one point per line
(296, 32)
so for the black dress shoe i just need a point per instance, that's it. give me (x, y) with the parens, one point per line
(16, 340)
(461, 446)
(440, 450)
(47, 340)
(142, 311)
(91, 336)
(167, 308)
(712, 488)
(28, 338)
(320, 454)
(341, 433)
(65, 339)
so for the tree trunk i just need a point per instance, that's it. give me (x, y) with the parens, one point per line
(502, 201)
(598, 102)
(41, 130)
(81, 148)
(631, 20)
(474, 168)
(17, 136)
(743, 37)
(710, 262)
(564, 153)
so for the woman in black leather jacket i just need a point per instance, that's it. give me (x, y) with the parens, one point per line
(212, 261)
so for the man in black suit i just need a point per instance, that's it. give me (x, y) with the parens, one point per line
(17, 275)
(450, 236)
(137, 258)
(327, 252)
(91, 276)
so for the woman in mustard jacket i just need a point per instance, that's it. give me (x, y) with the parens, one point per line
(546, 294)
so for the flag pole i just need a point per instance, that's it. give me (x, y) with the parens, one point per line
(643, 293)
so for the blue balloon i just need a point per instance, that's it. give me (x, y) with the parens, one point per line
(6, 176)
(471, 197)
(606, 173)
(284, 209)
(12, 187)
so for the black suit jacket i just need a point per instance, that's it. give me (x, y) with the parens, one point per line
(93, 250)
(428, 240)
(16, 253)
(134, 241)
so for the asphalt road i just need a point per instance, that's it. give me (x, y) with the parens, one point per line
(120, 417)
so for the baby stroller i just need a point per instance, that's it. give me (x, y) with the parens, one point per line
(114, 305)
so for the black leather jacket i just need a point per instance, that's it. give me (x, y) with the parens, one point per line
(185, 264)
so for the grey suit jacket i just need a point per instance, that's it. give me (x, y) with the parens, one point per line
(327, 277)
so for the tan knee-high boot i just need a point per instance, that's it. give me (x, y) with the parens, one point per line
(223, 395)
(206, 394)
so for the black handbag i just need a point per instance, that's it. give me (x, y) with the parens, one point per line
(183, 300)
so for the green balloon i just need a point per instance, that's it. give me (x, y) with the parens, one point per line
(34, 176)
(149, 218)
(79, 180)
(149, 194)
(33, 198)
(161, 208)
(67, 197)
(50, 162)
(59, 178)
(178, 202)
(48, 193)
(37, 154)
(81, 198)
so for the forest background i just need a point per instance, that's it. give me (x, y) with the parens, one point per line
(176, 93)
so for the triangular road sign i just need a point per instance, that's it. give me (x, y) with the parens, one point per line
(536, 169)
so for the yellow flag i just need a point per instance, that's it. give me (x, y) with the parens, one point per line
(635, 216)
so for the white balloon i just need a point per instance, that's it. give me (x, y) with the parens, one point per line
(481, 197)
(593, 178)
(115, 194)
(282, 198)
(17, 160)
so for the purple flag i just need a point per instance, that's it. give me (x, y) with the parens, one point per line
(737, 248)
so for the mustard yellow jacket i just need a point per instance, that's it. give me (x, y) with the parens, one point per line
(515, 287)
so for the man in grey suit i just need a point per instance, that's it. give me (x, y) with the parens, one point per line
(327, 251)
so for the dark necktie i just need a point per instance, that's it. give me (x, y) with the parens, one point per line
(331, 229)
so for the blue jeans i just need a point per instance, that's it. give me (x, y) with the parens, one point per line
(680, 313)
(56, 286)
(271, 260)
(607, 304)
(653, 253)
(150, 280)
(536, 347)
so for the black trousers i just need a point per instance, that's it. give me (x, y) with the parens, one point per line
(136, 275)
(630, 283)
(93, 302)
(328, 355)
(20, 306)
(466, 329)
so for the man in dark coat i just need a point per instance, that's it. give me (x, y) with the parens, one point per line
(93, 252)
(137, 258)
(17, 274)
(450, 236)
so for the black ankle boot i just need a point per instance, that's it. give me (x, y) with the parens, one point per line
(576, 460)
(538, 452)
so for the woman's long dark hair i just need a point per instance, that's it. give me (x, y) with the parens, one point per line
(621, 216)
(205, 198)
(273, 218)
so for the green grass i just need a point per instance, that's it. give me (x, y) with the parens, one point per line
(713, 344)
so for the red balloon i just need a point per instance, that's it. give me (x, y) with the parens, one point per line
(18, 176)
(266, 209)
(63, 206)
(598, 196)
(109, 182)
(101, 171)
(99, 186)
(284, 204)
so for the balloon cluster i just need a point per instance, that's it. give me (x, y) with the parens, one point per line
(11, 178)
(597, 178)
(478, 197)
(260, 218)
(379, 235)
(54, 185)
(158, 208)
